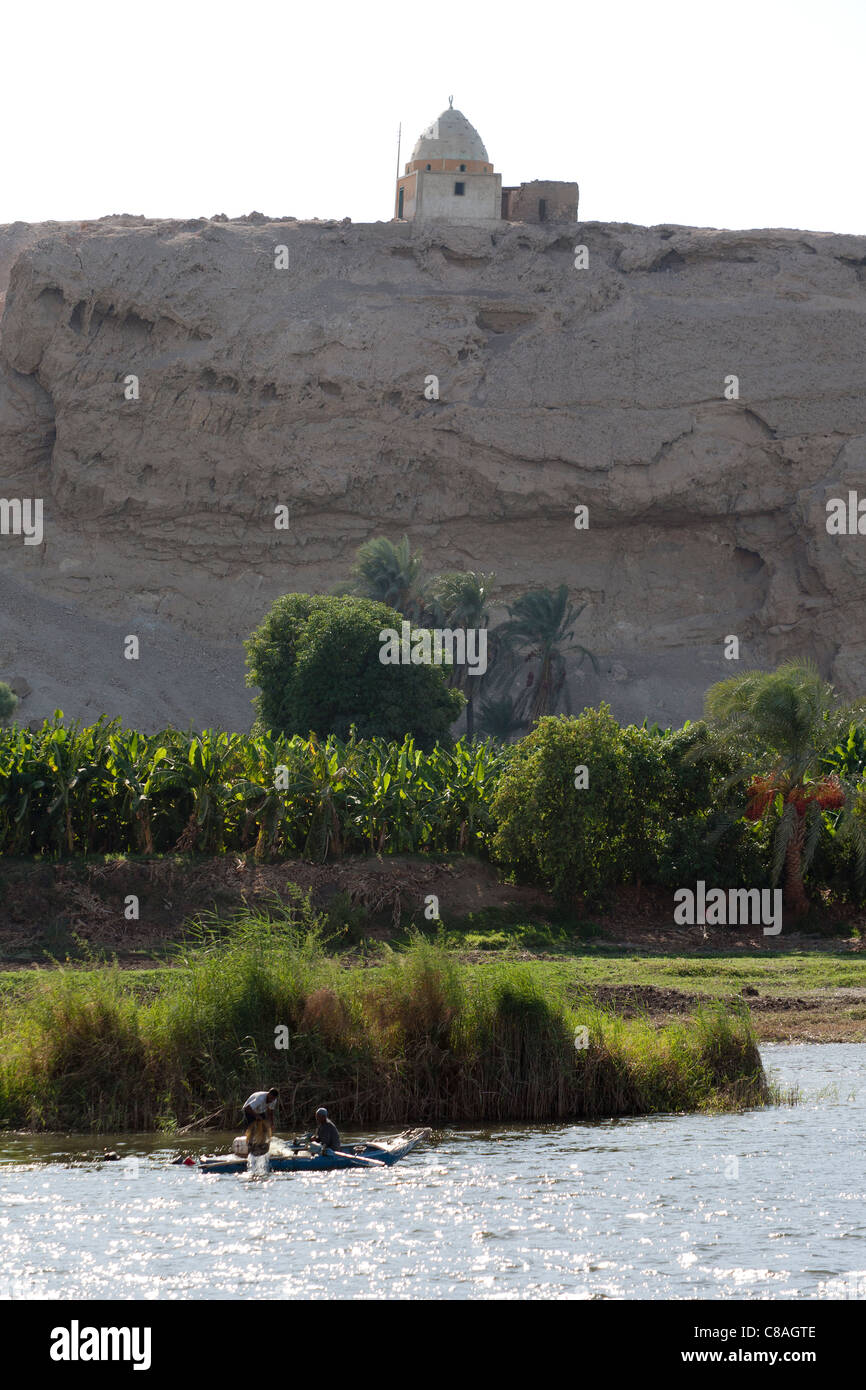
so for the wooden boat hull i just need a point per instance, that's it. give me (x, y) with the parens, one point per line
(387, 1151)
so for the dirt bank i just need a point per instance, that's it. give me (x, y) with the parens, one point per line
(62, 909)
(78, 908)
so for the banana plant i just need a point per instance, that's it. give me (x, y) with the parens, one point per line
(135, 767)
(76, 764)
(203, 772)
(67, 789)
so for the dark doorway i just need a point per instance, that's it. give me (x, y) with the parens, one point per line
(400, 205)
(542, 209)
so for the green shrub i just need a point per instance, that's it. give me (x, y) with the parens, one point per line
(8, 701)
(652, 811)
(835, 863)
(315, 659)
(692, 835)
(687, 850)
(576, 842)
(835, 867)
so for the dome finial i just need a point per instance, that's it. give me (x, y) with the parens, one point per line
(451, 101)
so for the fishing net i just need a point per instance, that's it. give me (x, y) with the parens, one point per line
(259, 1138)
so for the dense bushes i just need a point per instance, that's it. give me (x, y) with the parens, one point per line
(316, 661)
(646, 814)
(421, 1040)
(8, 701)
(658, 808)
(573, 841)
(697, 834)
(68, 790)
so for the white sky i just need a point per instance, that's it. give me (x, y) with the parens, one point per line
(731, 113)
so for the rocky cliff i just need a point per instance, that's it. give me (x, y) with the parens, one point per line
(304, 387)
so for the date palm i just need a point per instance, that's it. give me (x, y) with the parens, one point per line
(460, 599)
(540, 630)
(779, 727)
(389, 573)
(498, 719)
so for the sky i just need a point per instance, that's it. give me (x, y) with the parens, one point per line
(725, 113)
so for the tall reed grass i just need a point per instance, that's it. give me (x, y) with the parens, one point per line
(422, 1039)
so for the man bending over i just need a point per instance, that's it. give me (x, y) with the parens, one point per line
(259, 1115)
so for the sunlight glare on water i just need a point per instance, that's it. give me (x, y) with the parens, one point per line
(767, 1204)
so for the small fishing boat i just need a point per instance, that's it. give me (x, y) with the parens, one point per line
(297, 1158)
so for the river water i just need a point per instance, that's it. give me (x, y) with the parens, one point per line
(767, 1204)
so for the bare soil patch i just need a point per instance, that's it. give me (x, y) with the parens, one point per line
(72, 908)
(827, 1015)
(54, 907)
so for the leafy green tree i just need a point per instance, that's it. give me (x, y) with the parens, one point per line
(779, 727)
(584, 806)
(540, 630)
(460, 599)
(576, 841)
(316, 661)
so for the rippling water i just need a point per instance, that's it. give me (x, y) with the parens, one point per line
(769, 1204)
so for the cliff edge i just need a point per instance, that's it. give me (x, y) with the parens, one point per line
(304, 387)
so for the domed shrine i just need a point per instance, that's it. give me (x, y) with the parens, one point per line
(450, 177)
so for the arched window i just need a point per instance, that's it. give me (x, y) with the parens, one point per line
(463, 168)
(429, 166)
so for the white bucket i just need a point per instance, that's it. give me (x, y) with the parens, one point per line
(239, 1146)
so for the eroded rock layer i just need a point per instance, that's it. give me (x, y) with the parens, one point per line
(304, 387)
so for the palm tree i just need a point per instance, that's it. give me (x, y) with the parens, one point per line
(389, 573)
(540, 629)
(459, 599)
(498, 719)
(779, 726)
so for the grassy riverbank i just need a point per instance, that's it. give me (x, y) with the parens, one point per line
(424, 1038)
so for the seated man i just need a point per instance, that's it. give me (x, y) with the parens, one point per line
(327, 1133)
(259, 1115)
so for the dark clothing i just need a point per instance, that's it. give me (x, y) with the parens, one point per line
(328, 1135)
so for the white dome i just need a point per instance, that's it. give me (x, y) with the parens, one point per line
(450, 137)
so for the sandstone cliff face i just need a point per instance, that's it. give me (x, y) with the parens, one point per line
(305, 387)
